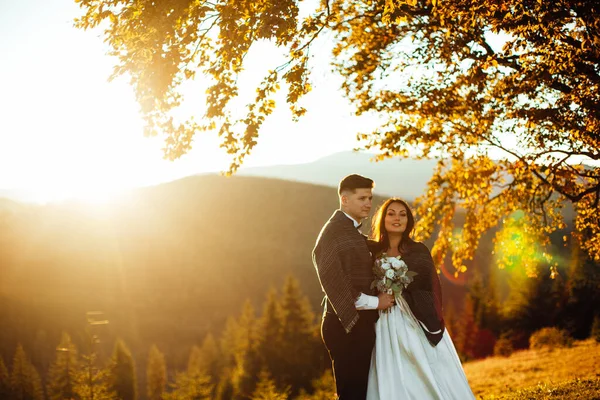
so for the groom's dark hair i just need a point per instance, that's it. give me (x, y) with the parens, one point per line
(353, 182)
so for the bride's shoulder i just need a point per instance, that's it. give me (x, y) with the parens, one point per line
(419, 247)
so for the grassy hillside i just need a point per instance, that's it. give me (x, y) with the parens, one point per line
(568, 373)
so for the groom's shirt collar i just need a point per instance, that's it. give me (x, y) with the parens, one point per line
(356, 224)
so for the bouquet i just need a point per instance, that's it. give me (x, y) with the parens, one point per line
(391, 275)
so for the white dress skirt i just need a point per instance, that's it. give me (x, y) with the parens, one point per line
(405, 366)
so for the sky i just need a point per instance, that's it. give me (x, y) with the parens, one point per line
(65, 131)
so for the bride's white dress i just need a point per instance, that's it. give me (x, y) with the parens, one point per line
(404, 365)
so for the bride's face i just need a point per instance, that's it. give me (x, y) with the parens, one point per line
(396, 219)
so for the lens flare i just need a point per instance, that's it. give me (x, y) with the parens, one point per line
(517, 248)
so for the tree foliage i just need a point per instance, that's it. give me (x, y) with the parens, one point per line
(468, 331)
(246, 364)
(208, 360)
(267, 390)
(324, 388)
(535, 303)
(190, 385)
(298, 339)
(583, 297)
(25, 381)
(63, 371)
(91, 381)
(156, 374)
(122, 377)
(270, 347)
(193, 384)
(4, 380)
(505, 94)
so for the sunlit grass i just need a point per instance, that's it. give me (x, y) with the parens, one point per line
(497, 377)
(576, 389)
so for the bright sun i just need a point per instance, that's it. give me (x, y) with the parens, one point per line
(66, 132)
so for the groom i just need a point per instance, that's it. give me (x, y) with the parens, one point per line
(344, 267)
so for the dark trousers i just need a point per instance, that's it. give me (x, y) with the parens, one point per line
(350, 353)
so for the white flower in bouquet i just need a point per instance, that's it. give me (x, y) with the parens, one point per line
(396, 263)
(400, 265)
(392, 275)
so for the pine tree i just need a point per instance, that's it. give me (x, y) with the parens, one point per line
(450, 319)
(91, 381)
(467, 330)
(247, 361)
(156, 374)
(224, 390)
(487, 322)
(299, 343)
(492, 318)
(4, 381)
(207, 360)
(62, 372)
(583, 294)
(25, 381)
(190, 386)
(534, 303)
(122, 380)
(194, 384)
(227, 342)
(323, 387)
(270, 346)
(195, 362)
(476, 292)
(267, 390)
(211, 356)
(227, 350)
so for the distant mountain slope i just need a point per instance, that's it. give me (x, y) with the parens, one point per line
(393, 177)
(18, 195)
(166, 263)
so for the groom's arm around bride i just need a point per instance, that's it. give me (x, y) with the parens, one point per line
(344, 267)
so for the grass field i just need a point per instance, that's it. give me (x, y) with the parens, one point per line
(567, 373)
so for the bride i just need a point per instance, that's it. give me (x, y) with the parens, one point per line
(414, 357)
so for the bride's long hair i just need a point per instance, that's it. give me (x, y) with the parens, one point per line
(380, 235)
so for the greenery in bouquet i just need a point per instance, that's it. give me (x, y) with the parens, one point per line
(391, 275)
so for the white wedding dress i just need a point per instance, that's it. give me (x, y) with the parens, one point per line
(405, 366)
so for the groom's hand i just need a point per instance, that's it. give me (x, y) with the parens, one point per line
(385, 301)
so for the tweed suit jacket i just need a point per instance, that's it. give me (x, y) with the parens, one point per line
(344, 266)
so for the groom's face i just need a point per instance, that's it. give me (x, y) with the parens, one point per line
(358, 203)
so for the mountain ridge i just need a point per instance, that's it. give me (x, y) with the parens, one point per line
(406, 178)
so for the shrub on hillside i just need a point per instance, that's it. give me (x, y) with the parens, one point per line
(503, 347)
(484, 345)
(550, 337)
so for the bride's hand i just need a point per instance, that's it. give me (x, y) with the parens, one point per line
(385, 301)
